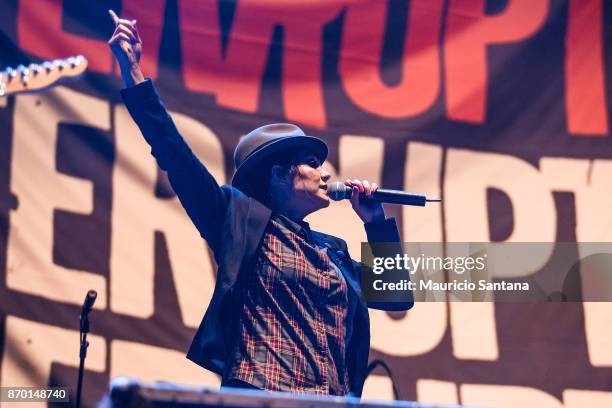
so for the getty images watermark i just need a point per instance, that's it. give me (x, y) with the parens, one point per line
(476, 272)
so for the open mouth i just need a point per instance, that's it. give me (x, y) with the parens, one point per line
(324, 187)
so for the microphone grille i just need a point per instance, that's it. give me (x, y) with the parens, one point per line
(337, 191)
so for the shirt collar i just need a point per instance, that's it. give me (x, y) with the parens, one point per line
(301, 228)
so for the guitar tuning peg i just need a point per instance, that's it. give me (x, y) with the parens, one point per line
(47, 66)
(24, 73)
(11, 73)
(59, 64)
(35, 68)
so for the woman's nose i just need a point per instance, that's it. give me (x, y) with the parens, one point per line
(325, 175)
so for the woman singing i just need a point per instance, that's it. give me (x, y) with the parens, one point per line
(286, 313)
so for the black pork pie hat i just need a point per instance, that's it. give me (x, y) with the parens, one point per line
(260, 144)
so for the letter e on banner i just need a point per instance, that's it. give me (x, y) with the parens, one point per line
(41, 189)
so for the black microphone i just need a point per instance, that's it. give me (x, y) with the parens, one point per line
(90, 298)
(339, 191)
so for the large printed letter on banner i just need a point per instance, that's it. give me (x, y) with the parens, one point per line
(41, 189)
(589, 181)
(361, 59)
(234, 75)
(594, 224)
(468, 176)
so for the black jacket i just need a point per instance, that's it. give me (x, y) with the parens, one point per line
(233, 224)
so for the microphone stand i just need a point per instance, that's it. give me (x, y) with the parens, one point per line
(82, 353)
(84, 329)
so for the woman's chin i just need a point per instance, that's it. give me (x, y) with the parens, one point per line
(325, 200)
(315, 201)
(319, 202)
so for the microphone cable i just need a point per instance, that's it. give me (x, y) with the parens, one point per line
(375, 363)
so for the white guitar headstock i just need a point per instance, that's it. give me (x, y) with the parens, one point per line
(36, 77)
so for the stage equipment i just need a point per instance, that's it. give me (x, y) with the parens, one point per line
(128, 393)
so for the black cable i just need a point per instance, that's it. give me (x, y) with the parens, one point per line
(373, 364)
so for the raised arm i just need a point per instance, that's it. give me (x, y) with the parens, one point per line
(200, 195)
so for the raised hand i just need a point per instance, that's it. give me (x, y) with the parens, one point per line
(126, 45)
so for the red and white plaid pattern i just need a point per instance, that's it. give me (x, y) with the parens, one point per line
(292, 331)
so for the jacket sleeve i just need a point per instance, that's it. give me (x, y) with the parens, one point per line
(382, 231)
(386, 231)
(198, 191)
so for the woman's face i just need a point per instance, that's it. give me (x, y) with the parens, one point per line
(309, 191)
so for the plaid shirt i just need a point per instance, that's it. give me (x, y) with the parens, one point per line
(293, 323)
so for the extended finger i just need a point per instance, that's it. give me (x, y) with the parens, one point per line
(114, 16)
(374, 187)
(118, 20)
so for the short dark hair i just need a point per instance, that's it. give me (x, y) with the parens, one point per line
(258, 183)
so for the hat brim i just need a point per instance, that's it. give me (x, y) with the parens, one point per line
(249, 166)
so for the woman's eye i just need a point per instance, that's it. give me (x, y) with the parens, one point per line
(313, 163)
